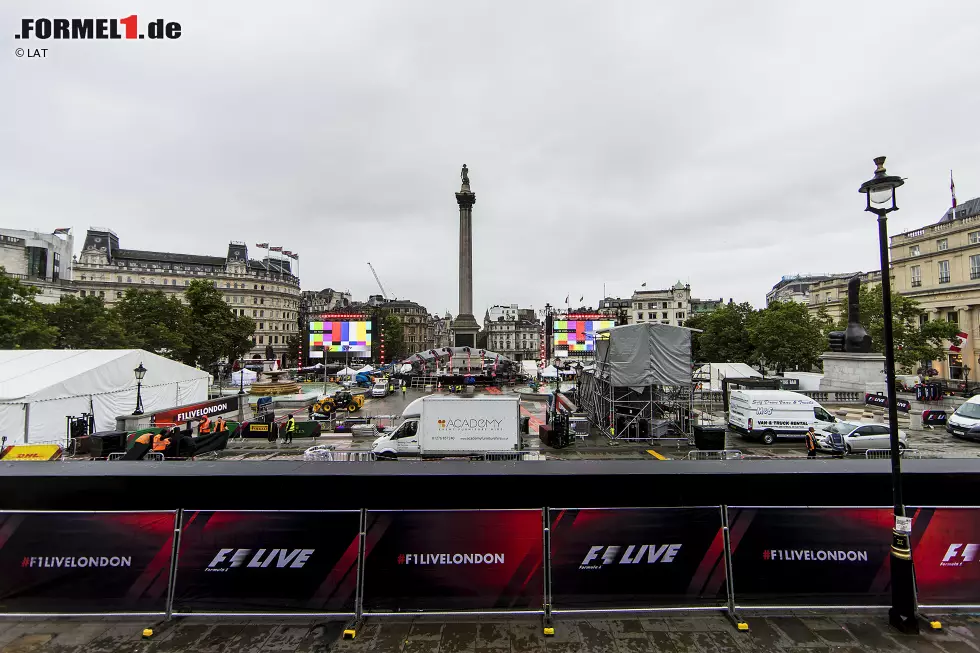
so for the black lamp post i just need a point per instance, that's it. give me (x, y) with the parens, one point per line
(241, 376)
(140, 372)
(880, 194)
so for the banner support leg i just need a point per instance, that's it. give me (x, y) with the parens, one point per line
(730, 613)
(350, 630)
(547, 625)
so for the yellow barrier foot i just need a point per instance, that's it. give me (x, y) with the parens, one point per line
(549, 631)
(742, 626)
(350, 633)
(936, 625)
(147, 633)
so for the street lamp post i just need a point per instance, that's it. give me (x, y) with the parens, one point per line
(140, 372)
(241, 376)
(324, 369)
(880, 195)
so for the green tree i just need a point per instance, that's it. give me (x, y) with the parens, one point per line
(723, 338)
(213, 331)
(786, 336)
(23, 324)
(394, 336)
(293, 344)
(155, 321)
(86, 323)
(915, 341)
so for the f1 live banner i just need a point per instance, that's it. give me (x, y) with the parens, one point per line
(946, 550)
(637, 557)
(811, 556)
(454, 560)
(85, 562)
(277, 562)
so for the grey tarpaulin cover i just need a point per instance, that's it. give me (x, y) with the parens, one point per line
(638, 355)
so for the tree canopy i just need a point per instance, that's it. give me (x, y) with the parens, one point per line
(23, 323)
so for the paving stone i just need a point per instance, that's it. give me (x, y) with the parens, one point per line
(421, 646)
(117, 639)
(596, 639)
(285, 639)
(426, 631)
(525, 637)
(563, 647)
(183, 637)
(796, 631)
(458, 637)
(390, 637)
(492, 636)
(683, 641)
(27, 643)
(248, 640)
(660, 641)
(627, 628)
(659, 625)
(700, 622)
(836, 636)
(218, 638)
(75, 638)
(952, 646)
(715, 641)
(871, 638)
(633, 644)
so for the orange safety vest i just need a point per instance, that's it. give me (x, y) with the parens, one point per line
(811, 441)
(160, 443)
(205, 426)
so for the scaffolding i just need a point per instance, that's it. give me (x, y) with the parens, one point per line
(640, 413)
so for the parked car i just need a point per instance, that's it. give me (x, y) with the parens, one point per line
(964, 418)
(380, 388)
(859, 437)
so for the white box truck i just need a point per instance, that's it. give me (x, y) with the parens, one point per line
(437, 425)
(768, 414)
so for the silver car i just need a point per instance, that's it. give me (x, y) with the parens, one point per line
(861, 437)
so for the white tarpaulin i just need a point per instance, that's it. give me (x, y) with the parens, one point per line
(640, 355)
(365, 369)
(549, 372)
(347, 371)
(39, 388)
(250, 376)
(721, 371)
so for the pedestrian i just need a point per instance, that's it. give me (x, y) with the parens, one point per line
(290, 430)
(811, 443)
(404, 390)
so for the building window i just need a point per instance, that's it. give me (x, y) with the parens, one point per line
(639, 316)
(119, 294)
(914, 250)
(651, 305)
(830, 298)
(665, 321)
(944, 272)
(942, 244)
(680, 315)
(974, 237)
(277, 340)
(261, 340)
(953, 317)
(261, 313)
(83, 293)
(118, 279)
(916, 273)
(262, 325)
(255, 313)
(186, 282)
(129, 280)
(663, 316)
(102, 294)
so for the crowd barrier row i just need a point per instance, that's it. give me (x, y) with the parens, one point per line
(547, 561)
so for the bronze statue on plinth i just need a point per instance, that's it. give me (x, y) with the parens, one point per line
(855, 339)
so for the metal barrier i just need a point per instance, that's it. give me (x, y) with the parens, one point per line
(722, 454)
(677, 443)
(150, 455)
(878, 454)
(327, 453)
(513, 455)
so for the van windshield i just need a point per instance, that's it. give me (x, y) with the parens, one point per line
(970, 411)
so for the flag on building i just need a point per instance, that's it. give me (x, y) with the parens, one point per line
(262, 245)
(952, 188)
(295, 256)
(566, 298)
(62, 231)
(643, 285)
(287, 252)
(962, 336)
(275, 249)
(581, 298)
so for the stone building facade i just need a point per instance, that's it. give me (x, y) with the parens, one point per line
(669, 306)
(40, 260)
(264, 290)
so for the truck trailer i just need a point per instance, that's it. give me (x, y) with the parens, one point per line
(438, 426)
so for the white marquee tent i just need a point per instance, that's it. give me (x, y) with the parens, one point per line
(39, 388)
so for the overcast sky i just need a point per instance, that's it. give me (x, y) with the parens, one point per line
(617, 143)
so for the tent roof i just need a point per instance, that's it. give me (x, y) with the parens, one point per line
(36, 374)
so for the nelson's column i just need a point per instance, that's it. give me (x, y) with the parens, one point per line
(465, 325)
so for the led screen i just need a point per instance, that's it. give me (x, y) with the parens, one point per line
(341, 336)
(577, 337)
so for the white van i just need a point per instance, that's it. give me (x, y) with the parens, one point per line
(380, 388)
(768, 414)
(965, 417)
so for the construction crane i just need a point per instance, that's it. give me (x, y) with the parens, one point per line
(383, 293)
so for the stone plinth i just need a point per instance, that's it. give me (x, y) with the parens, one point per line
(465, 328)
(851, 372)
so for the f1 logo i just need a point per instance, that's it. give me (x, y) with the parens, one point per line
(955, 557)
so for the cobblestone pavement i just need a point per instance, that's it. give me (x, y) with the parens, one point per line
(702, 633)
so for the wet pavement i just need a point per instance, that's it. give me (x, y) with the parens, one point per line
(698, 633)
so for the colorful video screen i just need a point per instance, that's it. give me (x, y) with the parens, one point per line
(341, 336)
(577, 337)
